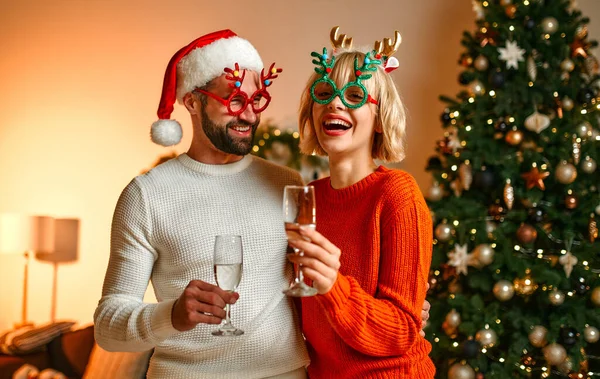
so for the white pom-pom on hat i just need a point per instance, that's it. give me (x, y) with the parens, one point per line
(166, 132)
(203, 60)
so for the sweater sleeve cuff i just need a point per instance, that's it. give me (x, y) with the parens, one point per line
(338, 296)
(162, 327)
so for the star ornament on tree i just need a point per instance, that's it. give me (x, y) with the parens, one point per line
(535, 178)
(512, 54)
(459, 258)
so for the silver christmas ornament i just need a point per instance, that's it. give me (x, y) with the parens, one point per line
(555, 354)
(460, 371)
(556, 297)
(486, 337)
(588, 165)
(566, 173)
(504, 290)
(537, 336)
(591, 334)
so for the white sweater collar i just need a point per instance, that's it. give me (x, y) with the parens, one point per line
(215, 169)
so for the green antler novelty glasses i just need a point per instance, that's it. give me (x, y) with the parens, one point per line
(354, 94)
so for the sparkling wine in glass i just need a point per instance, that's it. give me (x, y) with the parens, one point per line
(228, 274)
(299, 210)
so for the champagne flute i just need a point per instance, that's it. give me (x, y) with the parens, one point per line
(299, 210)
(228, 273)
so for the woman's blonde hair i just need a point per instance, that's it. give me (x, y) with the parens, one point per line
(388, 145)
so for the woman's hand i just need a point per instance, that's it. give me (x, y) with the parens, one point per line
(320, 260)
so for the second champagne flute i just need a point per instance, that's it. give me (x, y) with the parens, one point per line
(228, 274)
(299, 209)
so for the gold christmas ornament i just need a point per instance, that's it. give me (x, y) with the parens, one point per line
(588, 165)
(535, 178)
(567, 103)
(514, 137)
(567, 65)
(549, 25)
(483, 255)
(481, 63)
(531, 68)
(566, 173)
(486, 337)
(584, 130)
(525, 286)
(555, 354)
(581, 32)
(568, 261)
(571, 201)
(476, 88)
(556, 297)
(509, 194)
(510, 10)
(592, 228)
(591, 334)
(526, 234)
(576, 146)
(537, 122)
(504, 290)
(465, 172)
(461, 371)
(453, 318)
(595, 296)
(537, 336)
(444, 231)
(435, 193)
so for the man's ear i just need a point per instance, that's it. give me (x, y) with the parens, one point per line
(191, 103)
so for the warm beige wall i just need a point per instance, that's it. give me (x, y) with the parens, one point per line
(81, 82)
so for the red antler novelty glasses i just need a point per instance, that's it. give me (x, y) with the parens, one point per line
(238, 101)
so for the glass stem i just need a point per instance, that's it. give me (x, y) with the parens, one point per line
(227, 319)
(299, 273)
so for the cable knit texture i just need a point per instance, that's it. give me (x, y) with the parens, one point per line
(368, 325)
(163, 230)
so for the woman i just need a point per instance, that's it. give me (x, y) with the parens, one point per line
(370, 258)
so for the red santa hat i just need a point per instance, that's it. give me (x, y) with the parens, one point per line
(194, 66)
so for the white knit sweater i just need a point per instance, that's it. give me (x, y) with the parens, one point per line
(163, 229)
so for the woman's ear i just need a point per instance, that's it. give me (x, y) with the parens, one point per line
(378, 127)
(191, 103)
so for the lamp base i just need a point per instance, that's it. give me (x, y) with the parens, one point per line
(19, 325)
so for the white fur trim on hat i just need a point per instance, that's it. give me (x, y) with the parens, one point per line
(204, 64)
(166, 132)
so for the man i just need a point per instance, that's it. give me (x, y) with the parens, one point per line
(166, 220)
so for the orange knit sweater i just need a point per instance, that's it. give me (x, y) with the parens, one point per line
(368, 325)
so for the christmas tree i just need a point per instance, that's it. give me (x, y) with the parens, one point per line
(515, 279)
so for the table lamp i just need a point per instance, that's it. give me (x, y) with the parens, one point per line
(24, 234)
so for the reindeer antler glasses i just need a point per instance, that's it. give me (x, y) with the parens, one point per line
(238, 100)
(354, 94)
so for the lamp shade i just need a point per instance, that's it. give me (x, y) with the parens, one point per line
(20, 233)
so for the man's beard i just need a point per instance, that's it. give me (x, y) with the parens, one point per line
(217, 134)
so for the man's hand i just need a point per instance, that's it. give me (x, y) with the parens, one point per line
(425, 314)
(200, 303)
